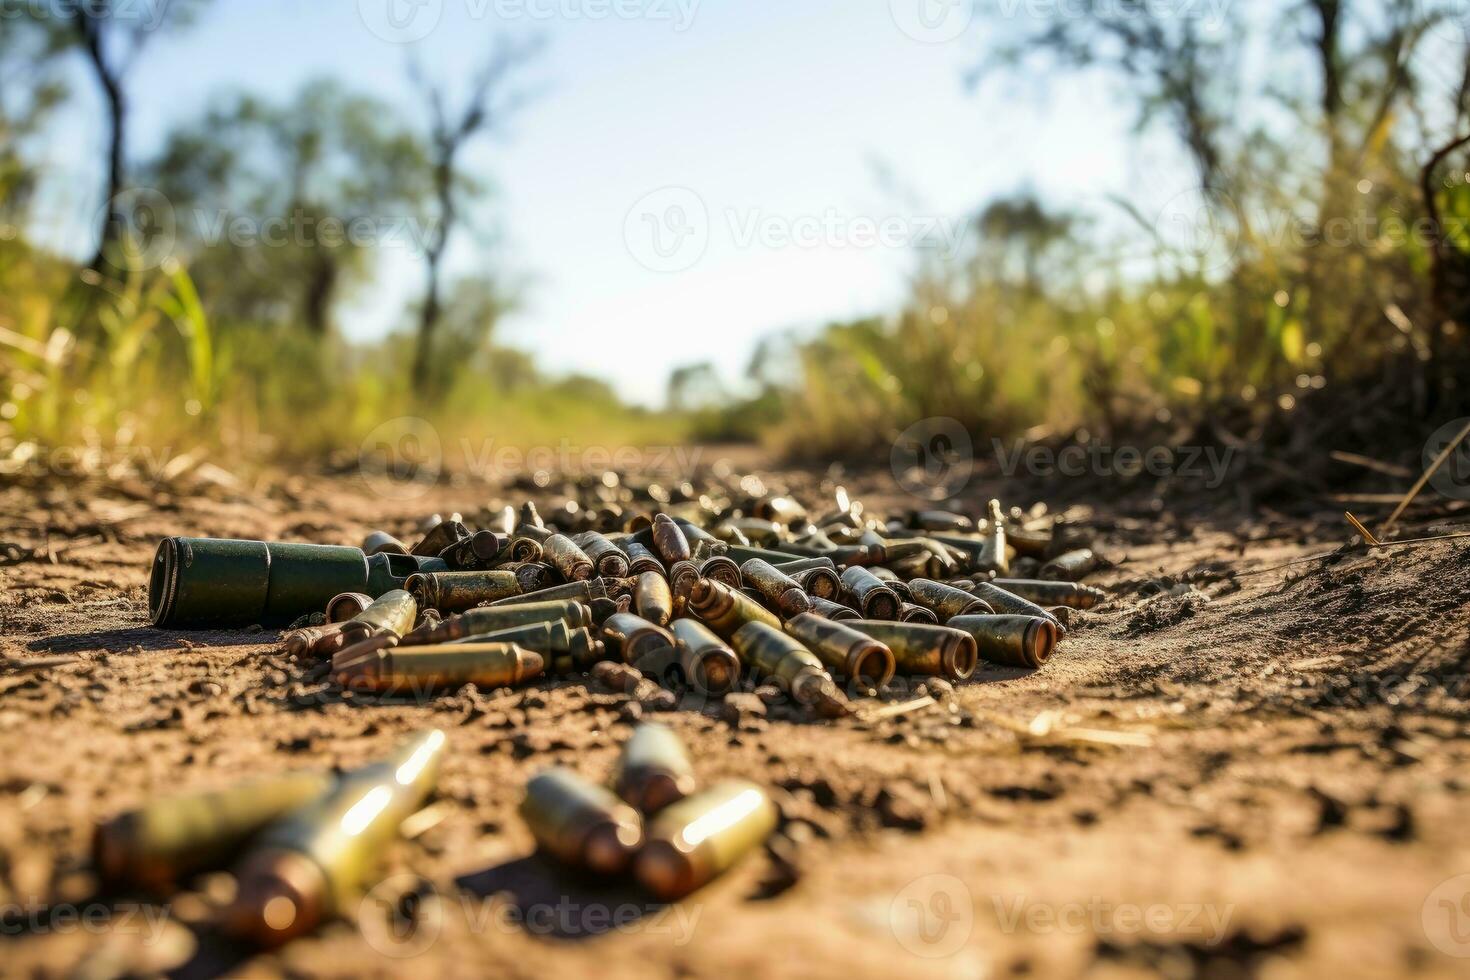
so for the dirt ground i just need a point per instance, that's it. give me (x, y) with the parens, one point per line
(1226, 771)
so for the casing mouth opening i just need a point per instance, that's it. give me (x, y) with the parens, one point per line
(163, 582)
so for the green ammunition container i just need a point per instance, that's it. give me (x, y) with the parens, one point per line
(653, 770)
(453, 592)
(311, 865)
(770, 654)
(199, 583)
(844, 651)
(166, 840)
(580, 823)
(448, 665)
(1050, 594)
(653, 599)
(725, 610)
(779, 590)
(629, 638)
(394, 612)
(945, 601)
(709, 666)
(702, 836)
(1012, 641)
(928, 651)
(870, 595)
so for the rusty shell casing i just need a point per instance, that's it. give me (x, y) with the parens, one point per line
(533, 576)
(381, 542)
(525, 542)
(870, 595)
(946, 601)
(313, 640)
(921, 650)
(310, 865)
(724, 610)
(1049, 594)
(343, 607)
(572, 562)
(641, 559)
(834, 610)
(478, 551)
(683, 575)
(843, 650)
(818, 581)
(708, 663)
(580, 823)
(911, 613)
(653, 599)
(448, 665)
(168, 839)
(668, 540)
(702, 836)
(620, 677)
(608, 559)
(779, 590)
(439, 537)
(453, 592)
(393, 613)
(630, 637)
(1072, 566)
(1009, 604)
(653, 770)
(721, 568)
(491, 619)
(1011, 641)
(996, 556)
(702, 544)
(769, 654)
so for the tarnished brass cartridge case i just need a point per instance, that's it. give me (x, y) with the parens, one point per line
(869, 594)
(995, 558)
(608, 559)
(166, 840)
(478, 551)
(572, 562)
(724, 610)
(490, 619)
(1050, 594)
(629, 638)
(457, 591)
(779, 590)
(439, 537)
(669, 542)
(701, 837)
(920, 650)
(381, 542)
(343, 607)
(313, 640)
(769, 654)
(721, 568)
(394, 612)
(753, 529)
(682, 577)
(708, 664)
(653, 599)
(1027, 543)
(843, 650)
(834, 610)
(525, 543)
(641, 559)
(1010, 604)
(1072, 566)
(945, 601)
(565, 649)
(580, 823)
(312, 864)
(912, 613)
(940, 520)
(702, 544)
(653, 769)
(448, 665)
(1012, 641)
(818, 581)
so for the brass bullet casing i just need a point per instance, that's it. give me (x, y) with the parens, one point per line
(724, 610)
(995, 557)
(1011, 641)
(449, 665)
(926, 651)
(381, 542)
(629, 638)
(870, 595)
(525, 543)
(439, 537)
(165, 840)
(779, 590)
(343, 607)
(478, 551)
(946, 601)
(1010, 604)
(533, 576)
(1050, 594)
(702, 544)
(394, 612)
(491, 619)
(580, 823)
(769, 654)
(652, 598)
(940, 520)
(313, 640)
(641, 559)
(780, 509)
(753, 529)
(740, 554)
(816, 576)
(912, 613)
(310, 865)
(669, 542)
(608, 559)
(843, 650)
(505, 522)
(1072, 566)
(702, 836)
(453, 592)
(833, 610)
(709, 665)
(721, 568)
(572, 562)
(565, 649)
(683, 575)
(653, 769)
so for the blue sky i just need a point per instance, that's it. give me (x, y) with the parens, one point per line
(694, 174)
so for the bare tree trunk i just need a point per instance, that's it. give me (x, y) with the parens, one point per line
(434, 256)
(117, 111)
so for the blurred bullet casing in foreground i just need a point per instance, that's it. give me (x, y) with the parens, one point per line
(701, 837)
(581, 823)
(653, 769)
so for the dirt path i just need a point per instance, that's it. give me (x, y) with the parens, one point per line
(1289, 801)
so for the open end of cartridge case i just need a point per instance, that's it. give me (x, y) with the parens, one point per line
(713, 671)
(163, 583)
(873, 666)
(959, 660)
(282, 895)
